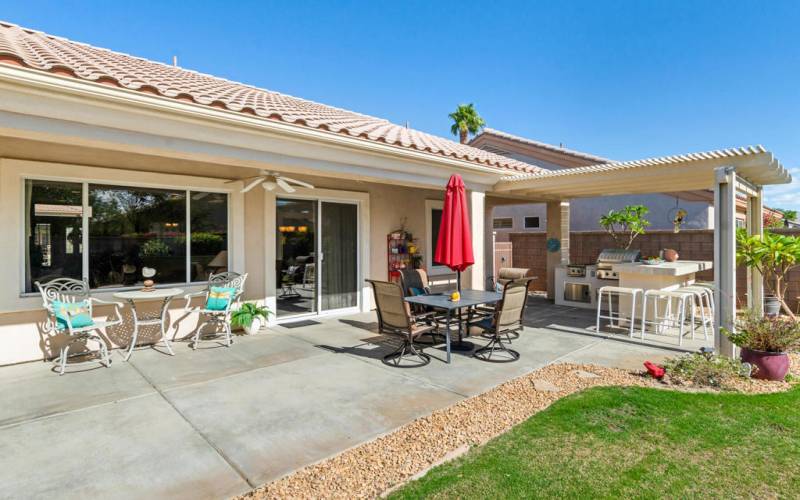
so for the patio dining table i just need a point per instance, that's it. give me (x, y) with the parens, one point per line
(469, 298)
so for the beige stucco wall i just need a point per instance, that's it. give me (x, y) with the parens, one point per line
(251, 236)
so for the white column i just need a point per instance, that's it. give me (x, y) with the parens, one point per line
(755, 225)
(477, 276)
(270, 245)
(725, 257)
(558, 229)
(488, 242)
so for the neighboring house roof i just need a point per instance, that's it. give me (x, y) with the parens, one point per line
(40, 51)
(487, 134)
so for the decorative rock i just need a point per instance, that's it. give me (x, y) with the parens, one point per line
(545, 386)
(585, 374)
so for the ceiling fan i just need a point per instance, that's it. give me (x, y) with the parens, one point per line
(270, 181)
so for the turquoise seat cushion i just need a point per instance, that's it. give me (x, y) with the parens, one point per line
(219, 297)
(77, 312)
(417, 291)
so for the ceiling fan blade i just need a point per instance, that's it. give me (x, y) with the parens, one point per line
(284, 185)
(253, 184)
(299, 183)
(243, 179)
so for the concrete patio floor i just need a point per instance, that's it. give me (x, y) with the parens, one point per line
(218, 421)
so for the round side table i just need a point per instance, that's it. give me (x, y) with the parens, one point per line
(166, 295)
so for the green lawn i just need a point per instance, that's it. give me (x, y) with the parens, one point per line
(634, 442)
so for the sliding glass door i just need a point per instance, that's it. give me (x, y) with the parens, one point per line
(317, 256)
(296, 257)
(338, 279)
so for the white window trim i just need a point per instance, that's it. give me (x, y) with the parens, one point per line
(16, 172)
(430, 245)
(85, 230)
(525, 221)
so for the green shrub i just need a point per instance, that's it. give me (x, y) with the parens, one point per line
(770, 334)
(705, 370)
(154, 248)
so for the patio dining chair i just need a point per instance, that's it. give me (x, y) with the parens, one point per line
(415, 282)
(395, 317)
(504, 275)
(70, 311)
(507, 319)
(224, 291)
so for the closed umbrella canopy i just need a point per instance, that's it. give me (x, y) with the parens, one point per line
(454, 247)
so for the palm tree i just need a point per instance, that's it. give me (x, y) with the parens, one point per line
(466, 121)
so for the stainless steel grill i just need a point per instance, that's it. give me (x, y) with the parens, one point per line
(610, 256)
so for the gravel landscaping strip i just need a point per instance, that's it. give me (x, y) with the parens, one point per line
(376, 467)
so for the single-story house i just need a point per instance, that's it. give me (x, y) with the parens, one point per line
(110, 163)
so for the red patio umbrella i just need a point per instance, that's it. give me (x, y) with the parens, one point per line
(454, 247)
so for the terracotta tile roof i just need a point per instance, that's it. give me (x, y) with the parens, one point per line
(489, 132)
(41, 51)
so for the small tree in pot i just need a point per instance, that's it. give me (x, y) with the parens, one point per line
(626, 224)
(765, 341)
(773, 255)
(250, 316)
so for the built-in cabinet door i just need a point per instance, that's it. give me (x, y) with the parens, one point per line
(339, 255)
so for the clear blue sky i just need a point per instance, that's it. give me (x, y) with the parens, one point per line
(623, 80)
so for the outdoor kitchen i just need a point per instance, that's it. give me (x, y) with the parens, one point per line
(638, 294)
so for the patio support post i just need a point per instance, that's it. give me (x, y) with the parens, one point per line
(557, 228)
(488, 244)
(477, 274)
(724, 257)
(755, 225)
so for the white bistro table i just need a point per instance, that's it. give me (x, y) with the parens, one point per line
(166, 295)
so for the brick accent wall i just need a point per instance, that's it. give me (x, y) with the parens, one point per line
(529, 250)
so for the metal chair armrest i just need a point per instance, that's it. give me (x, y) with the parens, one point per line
(189, 296)
(117, 306)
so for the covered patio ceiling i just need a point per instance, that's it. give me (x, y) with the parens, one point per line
(665, 174)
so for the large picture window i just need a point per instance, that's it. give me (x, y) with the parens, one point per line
(180, 234)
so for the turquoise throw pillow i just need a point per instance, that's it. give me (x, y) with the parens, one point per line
(77, 312)
(219, 297)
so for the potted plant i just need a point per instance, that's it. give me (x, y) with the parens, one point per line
(773, 255)
(765, 341)
(626, 224)
(250, 316)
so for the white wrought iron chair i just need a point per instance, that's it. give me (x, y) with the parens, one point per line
(217, 318)
(70, 290)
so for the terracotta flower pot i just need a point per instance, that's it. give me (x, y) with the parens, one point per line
(771, 365)
(670, 255)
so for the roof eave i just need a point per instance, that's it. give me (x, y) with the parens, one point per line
(54, 83)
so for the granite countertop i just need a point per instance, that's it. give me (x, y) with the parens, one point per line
(678, 268)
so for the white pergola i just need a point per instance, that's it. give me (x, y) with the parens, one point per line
(727, 172)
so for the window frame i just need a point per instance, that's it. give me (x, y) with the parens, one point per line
(85, 206)
(430, 245)
(525, 222)
(502, 228)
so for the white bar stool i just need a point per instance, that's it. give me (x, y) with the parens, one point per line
(705, 298)
(670, 319)
(616, 291)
